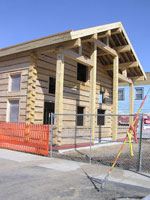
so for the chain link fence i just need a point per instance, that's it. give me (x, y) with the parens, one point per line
(77, 141)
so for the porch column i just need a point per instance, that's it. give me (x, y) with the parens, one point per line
(93, 87)
(131, 103)
(59, 97)
(115, 97)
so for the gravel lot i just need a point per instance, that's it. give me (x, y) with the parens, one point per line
(106, 155)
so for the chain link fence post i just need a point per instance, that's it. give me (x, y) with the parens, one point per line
(51, 135)
(90, 139)
(140, 145)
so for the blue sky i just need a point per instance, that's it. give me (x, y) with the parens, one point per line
(23, 20)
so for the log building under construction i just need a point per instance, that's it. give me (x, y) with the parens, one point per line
(66, 73)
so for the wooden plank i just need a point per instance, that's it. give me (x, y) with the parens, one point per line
(15, 61)
(13, 94)
(75, 56)
(115, 97)
(14, 67)
(105, 48)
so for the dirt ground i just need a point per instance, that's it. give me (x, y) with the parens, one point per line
(106, 155)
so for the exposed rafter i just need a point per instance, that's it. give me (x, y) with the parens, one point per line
(105, 48)
(122, 65)
(119, 49)
(122, 49)
(104, 34)
(116, 31)
(138, 78)
(89, 38)
(77, 57)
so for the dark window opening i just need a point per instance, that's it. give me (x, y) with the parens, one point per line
(48, 109)
(81, 72)
(100, 119)
(80, 110)
(52, 82)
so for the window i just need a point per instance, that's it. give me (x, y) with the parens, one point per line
(101, 97)
(80, 110)
(15, 82)
(48, 108)
(100, 119)
(13, 111)
(52, 82)
(139, 93)
(81, 72)
(121, 94)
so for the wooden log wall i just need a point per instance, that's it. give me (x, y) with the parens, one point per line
(7, 67)
(76, 93)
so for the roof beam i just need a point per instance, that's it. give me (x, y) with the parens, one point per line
(122, 65)
(109, 33)
(70, 44)
(137, 78)
(122, 49)
(116, 31)
(77, 57)
(119, 49)
(104, 34)
(124, 79)
(89, 38)
(105, 48)
(61, 46)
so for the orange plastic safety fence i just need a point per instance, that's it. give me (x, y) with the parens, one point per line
(33, 138)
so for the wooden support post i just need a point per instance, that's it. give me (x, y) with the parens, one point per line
(93, 87)
(59, 95)
(115, 97)
(131, 106)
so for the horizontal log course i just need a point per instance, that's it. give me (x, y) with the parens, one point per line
(16, 61)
